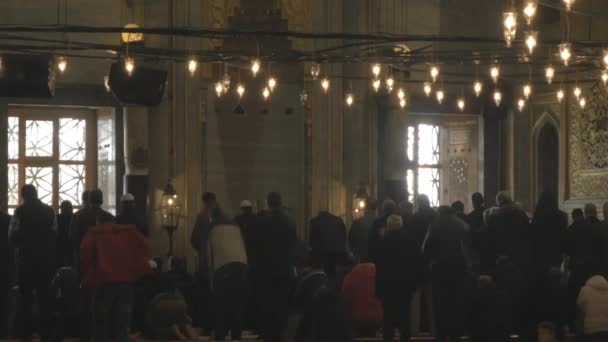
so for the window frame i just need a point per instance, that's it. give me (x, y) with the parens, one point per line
(54, 114)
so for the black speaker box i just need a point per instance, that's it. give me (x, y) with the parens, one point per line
(145, 86)
(23, 75)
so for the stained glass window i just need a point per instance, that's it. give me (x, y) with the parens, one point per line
(72, 133)
(38, 138)
(13, 184)
(42, 179)
(71, 183)
(13, 138)
(423, 174)
(54, 154)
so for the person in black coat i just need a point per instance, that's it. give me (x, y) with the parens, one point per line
(389, 207)
(272, 267)
(358, 236)
(328, 241)
(447, 248)
(33, 234)
(398, 271)
(422, 219)
(64, 220)
(548, 230)
(475, 220)
(583, 248)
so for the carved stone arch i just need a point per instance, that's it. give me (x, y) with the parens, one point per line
(546, 174)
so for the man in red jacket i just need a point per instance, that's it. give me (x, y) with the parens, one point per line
(113, 257)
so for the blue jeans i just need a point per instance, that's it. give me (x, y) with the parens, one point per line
(112, 312)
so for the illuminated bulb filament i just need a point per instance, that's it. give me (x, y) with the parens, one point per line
(583, 103)
(129, 65)
(219, 89)
(62, 64)
(434, 73)
(497, 97)
(530, 10)
(401, 94)
(315, 70)
(565, 53)
(376, 85)
(266, 93)
(192, 66)
(427, 88)
(510, 26)
(461, 104)
(605, 77)
(527, 91)
(255, 67)
(521, 104)
(350, 99)
(402, 103)
(325, 85)
(549, 74)
(477, 87)
(390, 83)
(531, 40)
(440, 95)
(240, 89)
(495, 73)
(569, 4)
(376, 69)
(577, 92)
(272, 82)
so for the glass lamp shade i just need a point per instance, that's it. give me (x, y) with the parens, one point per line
(170, 208)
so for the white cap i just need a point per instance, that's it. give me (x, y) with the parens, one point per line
(246, 204)
(127, 198)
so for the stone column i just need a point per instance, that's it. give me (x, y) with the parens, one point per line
(137, 156)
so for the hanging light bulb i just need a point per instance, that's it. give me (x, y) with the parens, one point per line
(461, 104)
(402, 102)
(531, 40)
(62, 64)
(325, 85)
(605, 58)
(390, 83)
(350, 99)
(240, 89)
(521, 104)
(434, 73)
(376, 69)
(565, 52)
(266, 93)
(315, 70)
(530, 10)
(401, 94)
(497, 97)
(226, 82)
(255, 67)
(527, 90)
(192, 66)
(427, 88)
(219, 89)
(376, 84)
(440, 95)
(577, 92)
(477, 87)
(509, 20)
(549, 74)
(582, 102)
(129, 65)
(560, 95)
(605, 77)
(495, 73)
(569, 4)
(272, 82)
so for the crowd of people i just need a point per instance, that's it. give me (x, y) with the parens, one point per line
(494, 274)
